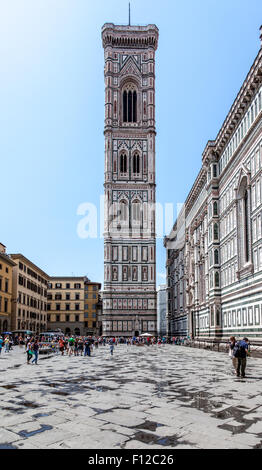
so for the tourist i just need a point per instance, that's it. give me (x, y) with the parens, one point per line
(6, 343)
(240, 351)
(232, 344)
(35, 349)
(87, 347)
(29, 352)
(61, 346)
(1, 343)
(76, 352)
(111, 343)
(71, 345)
(80, 346)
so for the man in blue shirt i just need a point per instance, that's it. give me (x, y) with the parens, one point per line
(241, 351)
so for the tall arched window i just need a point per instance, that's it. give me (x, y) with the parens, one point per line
(136, 163)
(125, 106)
(246, 225)
(123, 211)
(129, 104)
(215, 231)
(215, 208)
(216, 260)
(134, 106)
(136, 212)
(216, 279)
(123, 163)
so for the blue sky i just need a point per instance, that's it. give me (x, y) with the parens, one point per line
(52, 111)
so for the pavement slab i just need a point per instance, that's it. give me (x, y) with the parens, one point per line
(141, 398)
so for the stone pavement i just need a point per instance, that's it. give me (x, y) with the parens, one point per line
(141, 398)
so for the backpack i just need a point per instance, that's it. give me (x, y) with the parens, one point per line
(239, 350)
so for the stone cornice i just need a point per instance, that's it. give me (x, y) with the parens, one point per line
(196, 189)
(137, 37)
(238, 108)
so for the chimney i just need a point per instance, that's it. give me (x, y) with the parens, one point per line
(2, 248)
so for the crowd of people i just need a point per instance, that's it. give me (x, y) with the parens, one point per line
(83, 346)
(6, 343)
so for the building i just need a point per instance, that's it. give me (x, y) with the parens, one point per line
(73, 304)
(129, 295)
(29, 297)
(214, 251)
(92, 308)
(161, 310)
(6, 269)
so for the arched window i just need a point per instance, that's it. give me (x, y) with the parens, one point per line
(218, 316)
(244, 222)
(215, 208)
(136, 163)
(129, 104)
(246, 225)
(136, 212)
(215, 231)
(123, 163)
(125, 106)
(123, 211)
(134, 106)
(216, 260)
(216, 279)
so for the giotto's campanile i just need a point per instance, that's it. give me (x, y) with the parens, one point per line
(129, 296)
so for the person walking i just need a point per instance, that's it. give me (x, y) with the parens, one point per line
(111, 344)
(61, 346)
(241, 351)
(6, 342)
(71, 343)
(35, 349)
(80, 346)
(232, 344)
(87, 347)
(29, 352)
(1, 343)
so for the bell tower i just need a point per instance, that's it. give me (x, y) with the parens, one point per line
(129, 296)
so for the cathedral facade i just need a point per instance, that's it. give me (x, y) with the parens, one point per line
(129, 295)
(214, 251)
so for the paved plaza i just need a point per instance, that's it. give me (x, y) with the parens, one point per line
(141, 398)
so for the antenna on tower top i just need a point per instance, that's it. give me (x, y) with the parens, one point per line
(129, 15)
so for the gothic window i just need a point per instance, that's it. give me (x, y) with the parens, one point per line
(215, 231)
(216, 260)
(136, 212)
(123, 163)
(123, 211)
(125, 106)
(217, 316)
(216, 279)
(129, 105)
(246, 226)
(136, 163)
(215, 208)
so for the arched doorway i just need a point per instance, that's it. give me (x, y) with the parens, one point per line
(77, 331)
